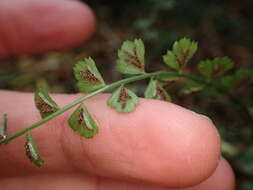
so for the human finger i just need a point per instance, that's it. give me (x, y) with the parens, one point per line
(30, 27)
(159, 142)
(221, 179)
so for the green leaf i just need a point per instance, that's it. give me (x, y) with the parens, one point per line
(131, 57)
(82, 122)
(32, 151)
(191, 87)
(87, 76)
(44, 103)
(216, 67)
(245, 75)
(182, 51)
(156, 91)
(3, 127)
(206, 68)
(228, 81)
(123, 100)
(242, 77)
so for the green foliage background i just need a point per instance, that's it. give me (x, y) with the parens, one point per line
(222, 28)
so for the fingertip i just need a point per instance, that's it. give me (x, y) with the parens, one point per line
(31, 27)
(184, 147)
(159, 143)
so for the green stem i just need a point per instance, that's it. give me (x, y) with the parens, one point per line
(80, 100)
(111, 86)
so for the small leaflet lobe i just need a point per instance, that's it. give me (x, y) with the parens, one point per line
(87, 75)
(123, 100)
(82, 122)
(32, 151)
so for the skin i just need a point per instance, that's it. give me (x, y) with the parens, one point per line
(159, 146)
(29, 27)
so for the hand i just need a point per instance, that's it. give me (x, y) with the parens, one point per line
(160, 143)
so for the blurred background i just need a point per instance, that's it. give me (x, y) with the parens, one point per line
(221, 27)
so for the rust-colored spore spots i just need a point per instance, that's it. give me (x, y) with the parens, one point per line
(89, 76)
(28, 152)
(133, 59)
(184, 59)
(80, 119)
(123, 97)
(44, 107)
(160, 92)
(2, 137)
(218, 70)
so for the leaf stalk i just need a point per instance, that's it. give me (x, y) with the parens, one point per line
(80, 100)
(109, 87)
